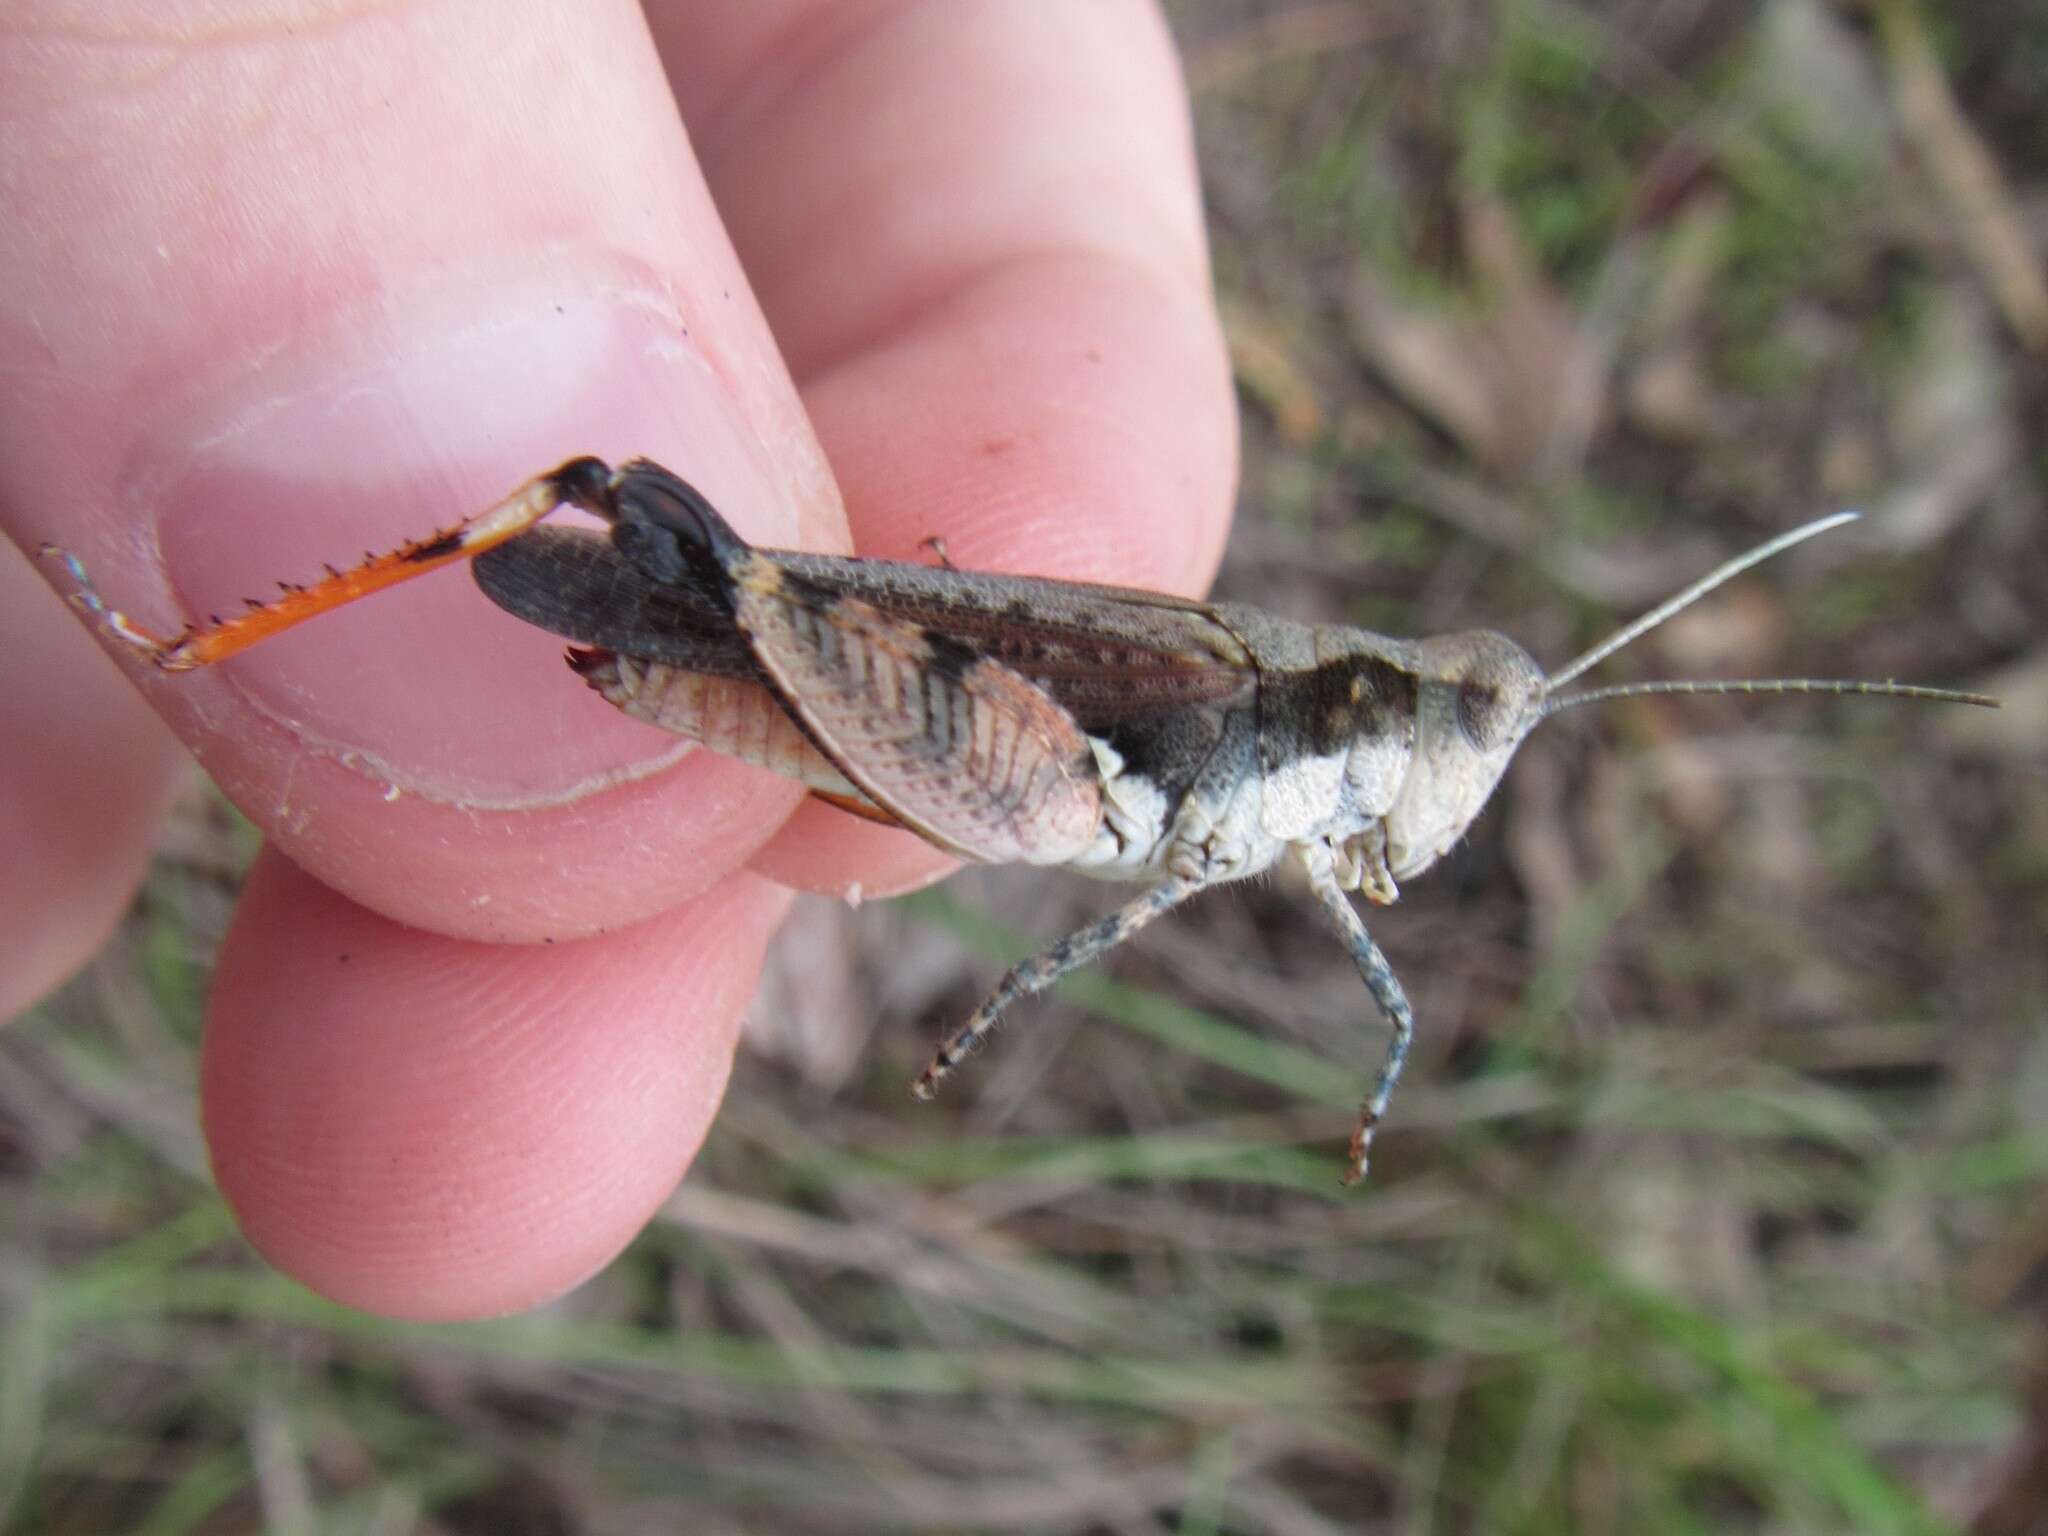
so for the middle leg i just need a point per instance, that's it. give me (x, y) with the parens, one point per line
(1385, 987)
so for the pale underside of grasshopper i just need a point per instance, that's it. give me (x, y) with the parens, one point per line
(1125, 734)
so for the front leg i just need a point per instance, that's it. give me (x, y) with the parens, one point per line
(1041, 971)
(1379, 980)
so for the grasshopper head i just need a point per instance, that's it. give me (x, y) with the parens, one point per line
(1477, 696)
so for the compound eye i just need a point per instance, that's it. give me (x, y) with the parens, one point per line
(1482, 714)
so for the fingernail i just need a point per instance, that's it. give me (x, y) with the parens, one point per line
(387, 429)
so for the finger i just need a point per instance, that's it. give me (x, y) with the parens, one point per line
(427, 1128)
(977, 231)
(85, 770)
(456, 251)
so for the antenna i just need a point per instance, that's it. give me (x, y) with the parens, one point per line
(1835, 685)
(1629, 633)
(1699, 589)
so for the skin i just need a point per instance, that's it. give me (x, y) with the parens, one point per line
(283, 282)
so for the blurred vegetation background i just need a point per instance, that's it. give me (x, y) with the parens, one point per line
(1717, 1194)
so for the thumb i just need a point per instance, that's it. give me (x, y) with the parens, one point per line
(295, 292)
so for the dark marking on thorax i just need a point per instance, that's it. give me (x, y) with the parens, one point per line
(1319, 711)
(1167, 748)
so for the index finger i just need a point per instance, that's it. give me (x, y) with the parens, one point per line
(978, 231)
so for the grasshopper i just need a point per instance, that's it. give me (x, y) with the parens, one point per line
(1129, 735)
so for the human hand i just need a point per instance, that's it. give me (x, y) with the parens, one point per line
(273, 293)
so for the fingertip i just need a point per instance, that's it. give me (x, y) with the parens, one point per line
(427, 1128)
(85, 772)
(826, 851)
(1070, 414)
(604, 860)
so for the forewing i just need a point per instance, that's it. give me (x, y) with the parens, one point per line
(1106, 654)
